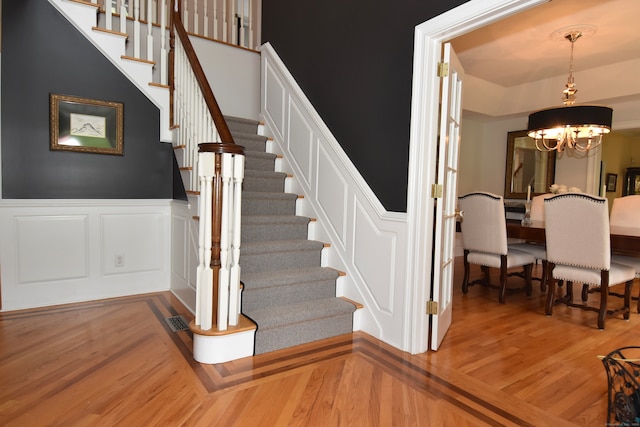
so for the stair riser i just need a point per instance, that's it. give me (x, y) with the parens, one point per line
(259, 164)
(301, 333)
(238, 126)
(252, 145)
(268, 207)
(264, 232)
(263, 185)
(272, 261)
(288, 294)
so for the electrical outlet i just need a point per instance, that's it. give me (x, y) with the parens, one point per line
(119, 261)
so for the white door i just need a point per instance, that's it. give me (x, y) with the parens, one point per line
(445, 204)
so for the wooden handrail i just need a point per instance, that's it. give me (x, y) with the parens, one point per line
(207, 93)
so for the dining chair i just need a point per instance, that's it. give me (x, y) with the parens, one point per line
(536, 249)
(578, 251)
(625, 212)
(484, 241)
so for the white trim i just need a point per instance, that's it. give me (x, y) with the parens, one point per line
(429, 37)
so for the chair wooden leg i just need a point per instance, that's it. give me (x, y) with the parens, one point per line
(551, 285)
(604, 293)
(543, 279)
(503, 278)
(465, 280)
(627, 299)
(527, 278)
(585, 293)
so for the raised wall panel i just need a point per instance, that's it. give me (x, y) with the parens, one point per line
(274, 98)
(300, 142)
(137, 239)
(51, 248)
(374, 258)
(332, 194)
(179, 230)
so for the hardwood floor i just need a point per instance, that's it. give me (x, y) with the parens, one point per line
(117, 362)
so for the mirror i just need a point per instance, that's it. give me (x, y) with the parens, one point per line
(527, 166)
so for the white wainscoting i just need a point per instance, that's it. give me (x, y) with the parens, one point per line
(64, 251)
(184, 251)
(367, 242)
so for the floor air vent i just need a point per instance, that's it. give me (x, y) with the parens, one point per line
(177, 323)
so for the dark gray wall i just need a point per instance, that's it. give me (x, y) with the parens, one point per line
(354, 61)
(42, 54)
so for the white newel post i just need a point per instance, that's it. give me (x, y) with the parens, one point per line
(220, 177)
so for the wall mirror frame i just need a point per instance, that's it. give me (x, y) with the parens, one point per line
(526, 166)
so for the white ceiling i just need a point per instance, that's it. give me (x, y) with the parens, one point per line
(519, 49)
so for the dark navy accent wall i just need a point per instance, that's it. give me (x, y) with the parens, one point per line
(354, 60)
(43, 53)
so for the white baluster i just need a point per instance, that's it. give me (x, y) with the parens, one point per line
(215, 19)
(185, 15)
(136, 29)
(250, 24)
(206, 171)
(223, 283)
(149, 30)
(108, 15)
(123, 17)
(234, 284)
(163, 43)
(225, 20)
(196, 17)
(205, 19)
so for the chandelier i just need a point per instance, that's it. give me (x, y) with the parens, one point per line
(575, 127)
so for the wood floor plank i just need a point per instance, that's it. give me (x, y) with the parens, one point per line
(117, 362)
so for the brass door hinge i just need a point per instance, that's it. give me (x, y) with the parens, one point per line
(432, 307)
(436, 191)
(443, 69)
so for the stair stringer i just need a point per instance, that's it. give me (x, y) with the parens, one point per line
(84, 17)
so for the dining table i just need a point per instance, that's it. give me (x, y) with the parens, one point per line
(623, 239)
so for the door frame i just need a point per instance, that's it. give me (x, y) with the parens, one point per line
(428, 40)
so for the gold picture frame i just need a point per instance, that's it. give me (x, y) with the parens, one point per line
(86, 125)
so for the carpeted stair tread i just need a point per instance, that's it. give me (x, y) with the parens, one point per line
(268, 279)
(294, 246)
(268, 203)
(251, 142)
(260, 180)
(241, 124)
(274, 317)
(274, 227)
(264, 174)
(257, 160)
(273, 219)
(268, 196)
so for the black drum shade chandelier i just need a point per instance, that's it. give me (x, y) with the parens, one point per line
(573, 127)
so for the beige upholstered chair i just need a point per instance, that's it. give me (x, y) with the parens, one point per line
(625, 212)
(536, 249)
(579, 250)
(484, 240)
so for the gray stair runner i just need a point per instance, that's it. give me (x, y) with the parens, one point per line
(286, 291)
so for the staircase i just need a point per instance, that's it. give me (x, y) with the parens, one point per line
(287, 292)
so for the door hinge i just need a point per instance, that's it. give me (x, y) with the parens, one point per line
(432, 307)
(436, 191)
(443, 69)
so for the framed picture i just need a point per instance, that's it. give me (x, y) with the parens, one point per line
(85, 125)
(612, 180)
